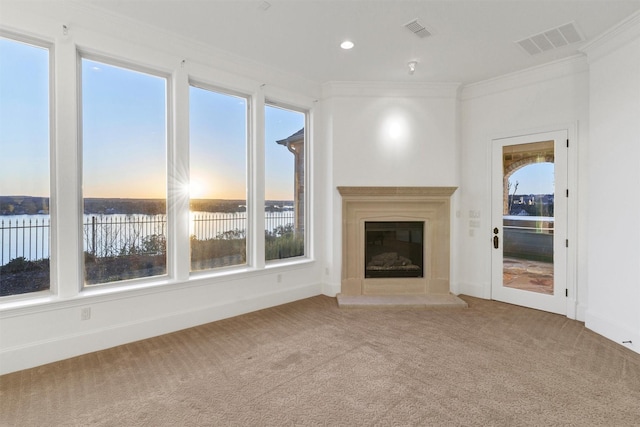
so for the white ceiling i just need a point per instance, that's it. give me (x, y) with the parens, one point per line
(472, 40)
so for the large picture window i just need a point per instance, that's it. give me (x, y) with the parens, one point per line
(285, 140)
(218, 179)
(123, 124)
(24, 168)
(124, 178)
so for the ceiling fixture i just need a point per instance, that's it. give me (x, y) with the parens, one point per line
(417, 28)
(551, 39)
(412, 66)
(346, 45)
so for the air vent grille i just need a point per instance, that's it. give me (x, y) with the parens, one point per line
(417, 28)
(551, 39)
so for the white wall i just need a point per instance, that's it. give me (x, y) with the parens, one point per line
(540, 99)
(441, 139)
(44, 327)
(613, 168)
(597, 99)
(388, 135)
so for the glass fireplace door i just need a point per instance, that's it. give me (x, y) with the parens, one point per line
(394, 249)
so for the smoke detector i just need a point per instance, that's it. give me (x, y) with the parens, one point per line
(551, 39)
(411, 65)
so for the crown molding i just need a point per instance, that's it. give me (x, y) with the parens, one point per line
(617, 36)
(530, 76)
(389, 89)
(93, 21)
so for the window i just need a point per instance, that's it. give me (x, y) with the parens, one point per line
(124, 146)
(218, 179)
(24, 168)
(284, 183)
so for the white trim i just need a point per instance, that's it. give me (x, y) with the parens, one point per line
(572, 221)
(50, 350)
(614, 38)
(477, 290)
(385, 89)
(103, 20)
(178, 169)
(331, 289)
(574, 306)
(614, 331)
(530, 76)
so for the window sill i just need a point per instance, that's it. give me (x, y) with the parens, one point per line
(45, 300)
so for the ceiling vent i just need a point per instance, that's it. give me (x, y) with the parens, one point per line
(417, 28)
(551, 39)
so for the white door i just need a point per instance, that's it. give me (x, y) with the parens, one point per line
(529, 221)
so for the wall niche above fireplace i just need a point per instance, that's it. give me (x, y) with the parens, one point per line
(382, 226)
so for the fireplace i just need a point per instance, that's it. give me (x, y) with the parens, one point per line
(395, 241)
(393, 249)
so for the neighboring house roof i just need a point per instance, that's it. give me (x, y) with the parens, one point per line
(296, 137)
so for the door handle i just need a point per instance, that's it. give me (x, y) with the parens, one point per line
(496, 243)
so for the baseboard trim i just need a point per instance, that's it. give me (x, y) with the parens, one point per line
(473, 290)
(330, 289)
(47, 351)
(613, 331)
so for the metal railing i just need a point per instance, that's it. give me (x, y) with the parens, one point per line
(112, 235)
(27, 238)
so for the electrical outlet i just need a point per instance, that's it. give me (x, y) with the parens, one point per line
(85, 313)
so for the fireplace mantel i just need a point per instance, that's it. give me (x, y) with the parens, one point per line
(397, 191)
(430, 205)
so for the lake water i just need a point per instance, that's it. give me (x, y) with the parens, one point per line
(28, 235)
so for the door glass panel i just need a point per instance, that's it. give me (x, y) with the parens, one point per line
(528, 216)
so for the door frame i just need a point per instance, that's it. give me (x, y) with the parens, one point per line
(574, 310)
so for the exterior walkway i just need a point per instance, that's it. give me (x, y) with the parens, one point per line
(534, 276)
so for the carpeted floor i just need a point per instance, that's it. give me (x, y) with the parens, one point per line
(310, 363)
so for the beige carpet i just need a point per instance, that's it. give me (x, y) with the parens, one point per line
(310, 363)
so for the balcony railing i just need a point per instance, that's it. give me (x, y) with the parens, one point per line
(111, 235)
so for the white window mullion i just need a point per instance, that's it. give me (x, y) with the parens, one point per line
(256, 180)
(66, 206)
(178, 159)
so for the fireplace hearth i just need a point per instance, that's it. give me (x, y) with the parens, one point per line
(396, 244)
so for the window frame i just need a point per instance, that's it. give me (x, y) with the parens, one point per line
(256, 102)
(306, 111)
(169, 106)
(50, 46)
(249, 193)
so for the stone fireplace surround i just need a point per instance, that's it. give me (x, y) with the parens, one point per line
(430, 205)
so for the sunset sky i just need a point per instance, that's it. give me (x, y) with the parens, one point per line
(24, 120)
(124, 133)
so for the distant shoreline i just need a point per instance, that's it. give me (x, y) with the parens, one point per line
(31, 205)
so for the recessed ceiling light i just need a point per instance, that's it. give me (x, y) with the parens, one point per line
(346, 45)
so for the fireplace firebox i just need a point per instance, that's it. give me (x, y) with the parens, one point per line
(394, 249)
